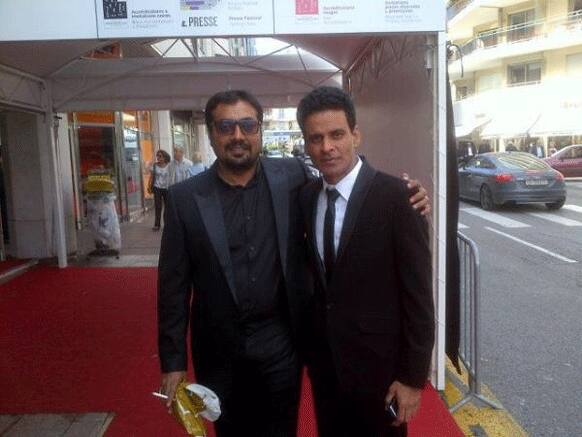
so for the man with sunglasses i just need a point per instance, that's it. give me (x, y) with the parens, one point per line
(232, 266)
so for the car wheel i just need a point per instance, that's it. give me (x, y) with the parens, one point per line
(556, 205)
(486, 198)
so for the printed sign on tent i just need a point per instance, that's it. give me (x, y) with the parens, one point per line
(357, 16)
(167, 18)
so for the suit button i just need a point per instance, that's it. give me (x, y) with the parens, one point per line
(329, 306)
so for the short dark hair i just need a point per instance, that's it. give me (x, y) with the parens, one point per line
(165, 155)
(325, 98)
(230, 97)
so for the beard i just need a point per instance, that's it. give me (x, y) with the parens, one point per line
(236, 161)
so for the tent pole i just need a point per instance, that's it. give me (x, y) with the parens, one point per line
(59, 209)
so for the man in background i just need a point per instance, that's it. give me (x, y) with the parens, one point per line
(197, 165)
(179, 168)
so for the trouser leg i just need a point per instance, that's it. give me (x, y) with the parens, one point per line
(157, 206)
(164, 200)
(264, 401)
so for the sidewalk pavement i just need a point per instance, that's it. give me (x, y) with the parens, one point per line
(140, 246)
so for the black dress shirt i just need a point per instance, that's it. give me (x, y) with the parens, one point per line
(251, 233)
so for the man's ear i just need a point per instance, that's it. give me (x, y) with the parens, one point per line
(357, 136)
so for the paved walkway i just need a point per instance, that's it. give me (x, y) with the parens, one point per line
(55, 425)
(140, 246)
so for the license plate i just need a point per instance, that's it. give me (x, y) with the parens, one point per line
(536, 182)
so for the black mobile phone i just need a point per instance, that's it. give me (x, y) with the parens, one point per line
(392, 409)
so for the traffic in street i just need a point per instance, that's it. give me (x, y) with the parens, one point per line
(531, 309)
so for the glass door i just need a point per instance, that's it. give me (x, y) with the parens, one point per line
(132, 172)
(97, 154)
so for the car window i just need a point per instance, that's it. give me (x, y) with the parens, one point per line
(472, 163)
(572, 153)
(486, 163)
(521, 161)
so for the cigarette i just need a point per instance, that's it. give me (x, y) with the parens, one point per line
(159, 395)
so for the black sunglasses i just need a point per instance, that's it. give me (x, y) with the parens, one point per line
(227, 126)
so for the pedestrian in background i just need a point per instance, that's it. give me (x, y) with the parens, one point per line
(197, 165)
(158, 184)
(180, 167)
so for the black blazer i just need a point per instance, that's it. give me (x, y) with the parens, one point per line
(377, 311)
(195, 256)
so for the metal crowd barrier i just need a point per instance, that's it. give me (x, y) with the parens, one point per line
(469, 353)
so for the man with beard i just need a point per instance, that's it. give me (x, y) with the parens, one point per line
(232, 267)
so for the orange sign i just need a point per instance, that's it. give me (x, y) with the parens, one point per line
(95, 117)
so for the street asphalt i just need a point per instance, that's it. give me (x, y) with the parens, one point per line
(531, 294)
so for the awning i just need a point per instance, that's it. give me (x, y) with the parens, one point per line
(511, 124)
(562, 121)
(468, 128)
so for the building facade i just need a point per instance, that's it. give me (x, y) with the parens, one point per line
(516, 72)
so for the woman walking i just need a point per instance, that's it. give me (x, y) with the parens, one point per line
(158, 184)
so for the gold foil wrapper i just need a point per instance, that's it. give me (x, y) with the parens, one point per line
(187, 407)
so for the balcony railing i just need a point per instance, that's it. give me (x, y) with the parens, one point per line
(522, 32)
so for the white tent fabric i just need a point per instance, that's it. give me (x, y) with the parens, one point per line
(468, 128)
(144, 80)
(186, 83)
(516, 124)
(558, 121)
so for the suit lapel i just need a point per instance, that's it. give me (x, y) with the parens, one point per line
(357, 197)
(279, 188)
(316, 188)
(210, 209)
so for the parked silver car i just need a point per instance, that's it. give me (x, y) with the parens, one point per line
(495, 179)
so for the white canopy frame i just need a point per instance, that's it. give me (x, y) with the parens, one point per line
(71, 82)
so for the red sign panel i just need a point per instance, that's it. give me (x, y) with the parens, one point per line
(306, 7)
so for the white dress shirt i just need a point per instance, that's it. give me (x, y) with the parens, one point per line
(344, 187)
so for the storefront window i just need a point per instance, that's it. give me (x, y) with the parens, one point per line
(96, 154)
(120, 144)
(182, 132)
(146, 145)
(132, 164)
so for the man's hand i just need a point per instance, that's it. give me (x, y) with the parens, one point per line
(419, 199)
(170, 383)
(408, 399)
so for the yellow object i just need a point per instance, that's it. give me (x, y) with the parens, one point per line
(99, 183)
(493, 423)
(187, 407)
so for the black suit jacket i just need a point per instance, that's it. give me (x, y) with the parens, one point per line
(377, 311)
(196, 283)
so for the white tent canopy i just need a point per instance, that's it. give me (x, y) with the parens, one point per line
(558, 121)
(182, 83)
(144, 80)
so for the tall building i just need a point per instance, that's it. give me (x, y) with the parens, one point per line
(516, 72)
(281, 130)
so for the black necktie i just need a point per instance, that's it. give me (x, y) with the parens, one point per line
(328, 232)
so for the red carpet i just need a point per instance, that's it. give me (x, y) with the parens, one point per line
(84, 340)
